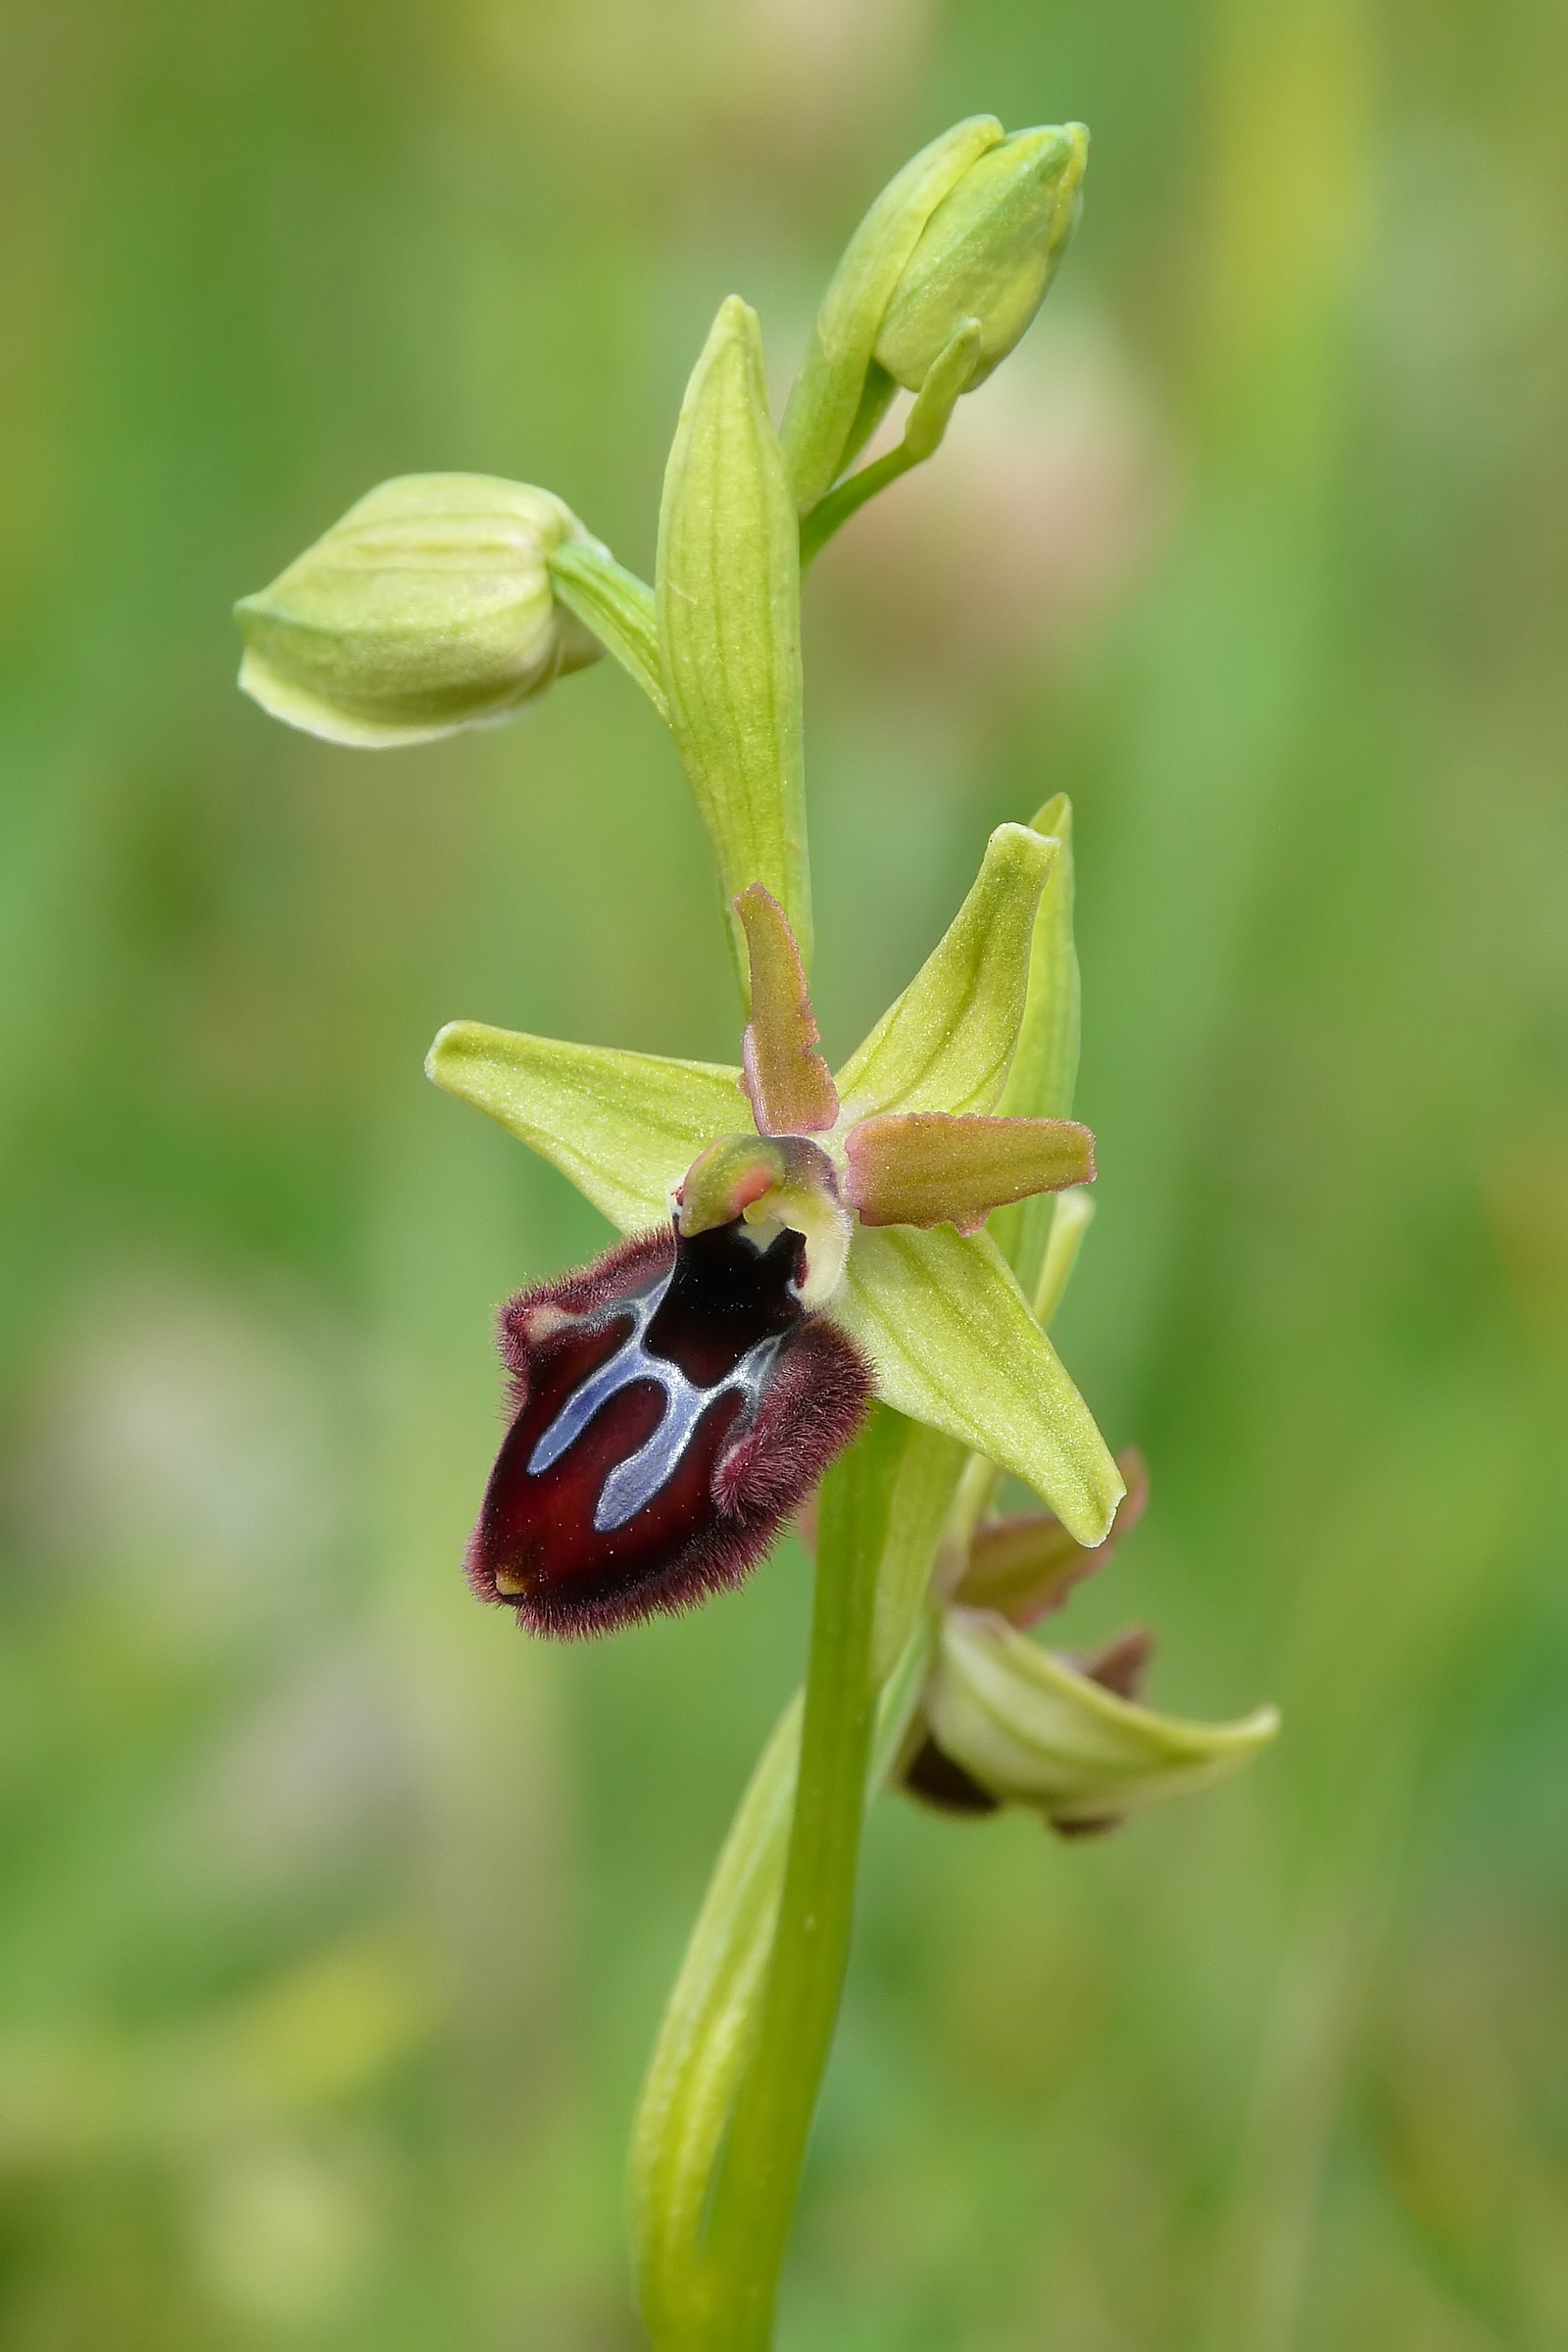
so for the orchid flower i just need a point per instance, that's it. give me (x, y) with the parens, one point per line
(783, 1268)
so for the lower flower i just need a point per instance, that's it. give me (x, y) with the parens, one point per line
(672, 1404)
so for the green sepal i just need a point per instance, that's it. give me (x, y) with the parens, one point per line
(727, 596)
(616, 606)
(623, 1127)
(948, 1042)
(827, 402)
(952, 1344)
(1034, 1731)
(1044, 1063)
(977, 1488)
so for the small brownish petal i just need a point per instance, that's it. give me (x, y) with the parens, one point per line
(1120, 1665)
(1024, 1568)
(788, 1084)
(935, 1167)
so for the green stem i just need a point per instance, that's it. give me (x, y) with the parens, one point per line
(928, 420)
(777, 2096)
(707, 2029)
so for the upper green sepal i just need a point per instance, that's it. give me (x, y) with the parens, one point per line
(427, 608)
(727, 597)
(987, 251)
(1045, 1062)
(948, 1042)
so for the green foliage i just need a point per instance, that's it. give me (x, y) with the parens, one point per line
(1285, 2067)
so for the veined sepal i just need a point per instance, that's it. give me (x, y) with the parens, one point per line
(1029, 1728)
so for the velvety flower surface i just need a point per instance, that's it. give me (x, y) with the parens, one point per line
(672, 1404)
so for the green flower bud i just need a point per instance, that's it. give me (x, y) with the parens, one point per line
(987, 251)
(427, 608)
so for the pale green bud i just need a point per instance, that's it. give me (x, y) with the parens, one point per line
(429, 608)
(988, 253)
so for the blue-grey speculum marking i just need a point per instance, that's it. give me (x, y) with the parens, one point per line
(638, 1479)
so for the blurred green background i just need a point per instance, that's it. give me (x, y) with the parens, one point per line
(335, 1918)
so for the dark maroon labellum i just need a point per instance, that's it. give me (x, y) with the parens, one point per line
(672, 1403)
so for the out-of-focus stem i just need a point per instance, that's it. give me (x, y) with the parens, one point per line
(705, 2037)
(762, 2165)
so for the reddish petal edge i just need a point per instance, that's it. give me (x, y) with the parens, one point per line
(787, 1082)
(937, 1167)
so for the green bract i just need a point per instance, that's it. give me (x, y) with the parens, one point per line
(728, 597)
(429, 607)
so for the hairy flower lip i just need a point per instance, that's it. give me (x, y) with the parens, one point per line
(759, 1395)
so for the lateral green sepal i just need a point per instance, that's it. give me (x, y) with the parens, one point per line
(623, 1127)
(952, 1344)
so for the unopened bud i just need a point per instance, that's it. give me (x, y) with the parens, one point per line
(426, 608)
(988, 253)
